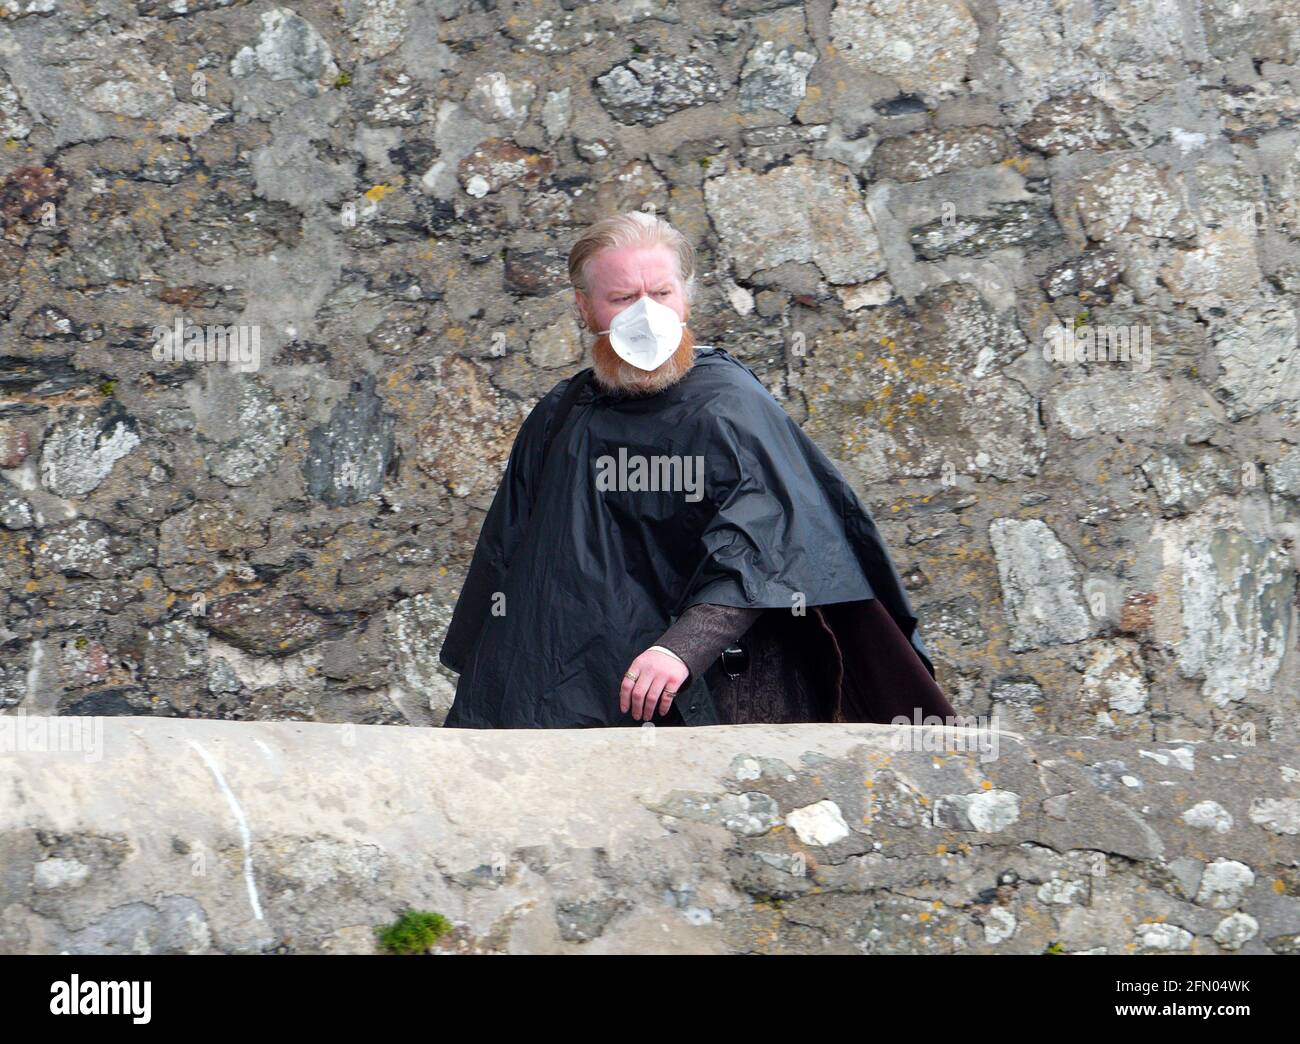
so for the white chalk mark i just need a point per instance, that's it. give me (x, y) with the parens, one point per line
(34, 673)
(243, 828)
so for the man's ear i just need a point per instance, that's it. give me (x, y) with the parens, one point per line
(581, 300)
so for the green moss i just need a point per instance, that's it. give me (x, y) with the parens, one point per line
(343, 79)
(1055, 947)
(107, 387)
(414, 932)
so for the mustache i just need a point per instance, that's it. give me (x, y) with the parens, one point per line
(615, 375)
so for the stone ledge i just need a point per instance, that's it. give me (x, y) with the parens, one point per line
(199, 836)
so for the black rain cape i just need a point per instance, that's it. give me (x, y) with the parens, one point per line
(570, 582)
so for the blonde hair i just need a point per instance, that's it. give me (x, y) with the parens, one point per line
(635, 228)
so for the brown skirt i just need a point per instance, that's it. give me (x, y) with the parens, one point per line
(839, 663)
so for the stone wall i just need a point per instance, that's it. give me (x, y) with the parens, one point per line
(158, 835)
(894, 203)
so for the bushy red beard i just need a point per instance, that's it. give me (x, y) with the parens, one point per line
(614, 375)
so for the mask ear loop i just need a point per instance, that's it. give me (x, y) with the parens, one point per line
(601, 333)
(680, 322)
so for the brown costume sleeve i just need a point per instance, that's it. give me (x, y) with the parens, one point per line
(704, 630)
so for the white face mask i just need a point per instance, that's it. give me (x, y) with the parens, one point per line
(645, 334)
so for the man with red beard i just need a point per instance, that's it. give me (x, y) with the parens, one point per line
(767, 595)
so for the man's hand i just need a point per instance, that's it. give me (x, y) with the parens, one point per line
(651, 681)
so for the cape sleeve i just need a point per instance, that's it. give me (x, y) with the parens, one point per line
(777, 530)
(787, 525)
(504, 525)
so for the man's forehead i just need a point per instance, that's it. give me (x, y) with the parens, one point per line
(630, 266)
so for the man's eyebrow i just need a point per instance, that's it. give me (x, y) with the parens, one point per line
(665, 285)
